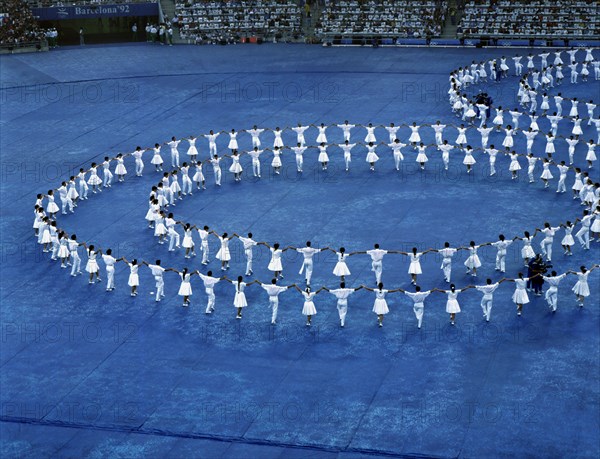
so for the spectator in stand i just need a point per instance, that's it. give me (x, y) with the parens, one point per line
(20, 26)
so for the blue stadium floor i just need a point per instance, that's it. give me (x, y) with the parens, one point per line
(85, 373)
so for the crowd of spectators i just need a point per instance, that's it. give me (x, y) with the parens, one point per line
(404, 18)
(18, 24)
(528, 19)
(231, 21)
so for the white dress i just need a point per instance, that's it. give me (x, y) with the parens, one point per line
(233, 145)
(581, 288)
(156, 158)
(422, 157)
(414, 136)
(323, 157)
(51, 208)
(473, 260)
(595, 228)
(309, 306)
(341, 269)
(235, 167)
(371, 155)
(568, 238)
(527, 250)
(92, 265)
(198, 175)
(120, 169)
(94, 179)
(134, 279)
(380, 306)
(591, 154)
(275, 263)
(187, 242)
(508, 140)
(239, 301)
(546, 174)
(63, 250)
(185, 289)
(322, 138)
(469, 159)
(277, 142)
(452, 306)
(223, 253)
(160, 229)
(276, 159)
(415, 264)
(520, 296)
(370, 137)
(192, 151)
(514, 163)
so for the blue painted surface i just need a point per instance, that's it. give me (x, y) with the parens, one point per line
(86, 373)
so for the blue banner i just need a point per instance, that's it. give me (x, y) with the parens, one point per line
(95, 11)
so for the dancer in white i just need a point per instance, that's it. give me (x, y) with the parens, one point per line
(188, 241)
(492, 152)
(255, 133)
(157, 158)
(447, 253)
(134, 278)
(370, 137)
(107, 174)
(275, 262)
(583, 235)
(380, 306)
(308, 253)
(236, 167)
(185, 288)
(567, 241)
(501, 245)
(488, 296)
(299, 150)
(308, 309)
(551, 295)
(372, 157)
(192, 151)
(158, 271)
(273, 290)
(255, 155)
(109, 263)
(215, 161)
(473, 262)
(299, 130)
(422, 156)
(392, 131)
(223, 254)
(396, 147)
(527, 251)
(452, 306)
(376, 255)
(581, 287)
(209, 287)
(446, 148)
(346, 128)
(173, 144)
(562, 170)
(276, 162)
(323, 156)
(341, 269)
(546, 244)
(277, 142)
(248, 244)
(418, 298)
(342, 295)
(322, 137)
(439, 130)
(520, 296)
(347, 148)
(232, 145)
(212, 142)
(139, 162)
(198, 177)
(239, 300)
(92, 265)
(204, 247)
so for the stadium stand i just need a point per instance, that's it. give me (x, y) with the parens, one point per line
(228, 22)
(19, 28)
(535, 18)
(406, 18)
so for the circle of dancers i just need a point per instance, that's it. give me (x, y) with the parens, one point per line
(65, 247)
